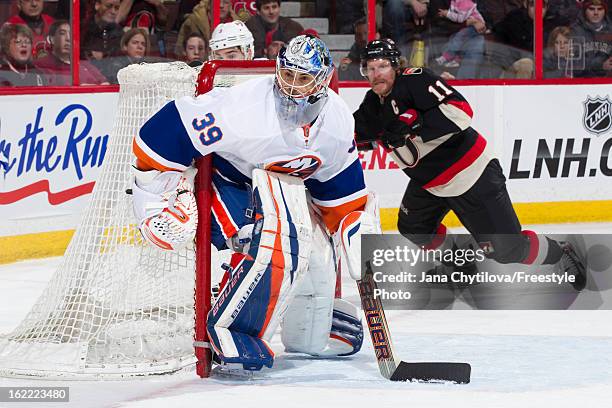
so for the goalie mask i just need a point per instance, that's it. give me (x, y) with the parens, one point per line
(303, 71)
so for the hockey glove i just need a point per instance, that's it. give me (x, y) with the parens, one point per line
(408, 123)
(165, 207)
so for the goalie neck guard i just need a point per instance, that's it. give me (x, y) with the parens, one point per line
(303, 71)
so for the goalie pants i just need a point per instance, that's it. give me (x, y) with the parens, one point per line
(232, 203)
(486, 212)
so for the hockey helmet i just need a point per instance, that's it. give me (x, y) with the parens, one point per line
(380, 49)
(232, 34)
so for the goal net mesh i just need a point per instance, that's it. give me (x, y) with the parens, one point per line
(116, 307)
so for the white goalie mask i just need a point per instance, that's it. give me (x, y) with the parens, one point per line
(229, 35)
(303, 72)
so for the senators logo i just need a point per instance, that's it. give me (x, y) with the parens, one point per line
(302, 167)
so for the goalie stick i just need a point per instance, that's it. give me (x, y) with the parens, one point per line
(383, 348)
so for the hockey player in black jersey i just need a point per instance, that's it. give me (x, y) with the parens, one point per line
(426, 124)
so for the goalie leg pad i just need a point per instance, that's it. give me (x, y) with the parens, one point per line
(306, 325)
(248, 310)
(346, 335)
(318, 332)
(315, 323)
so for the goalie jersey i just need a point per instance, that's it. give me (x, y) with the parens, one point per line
(241, 127)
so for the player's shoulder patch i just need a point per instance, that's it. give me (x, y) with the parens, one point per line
(412, 71)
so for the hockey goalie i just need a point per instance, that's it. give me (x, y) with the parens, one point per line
(289, 195)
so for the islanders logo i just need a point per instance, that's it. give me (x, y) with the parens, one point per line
(302, 167)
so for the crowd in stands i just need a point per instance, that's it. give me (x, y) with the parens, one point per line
(495, 38)
(464, 39)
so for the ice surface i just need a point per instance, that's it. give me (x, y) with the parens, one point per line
(519, 359)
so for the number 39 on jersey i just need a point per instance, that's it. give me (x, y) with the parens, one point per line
(209, 133)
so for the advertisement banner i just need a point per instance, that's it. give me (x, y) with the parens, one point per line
(553, 143)
(51, 148)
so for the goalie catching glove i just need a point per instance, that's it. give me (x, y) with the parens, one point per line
(165, 207)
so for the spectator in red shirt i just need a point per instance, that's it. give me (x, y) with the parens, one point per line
(56, 66)
(147, 14)
(31, 14)
(16, 68)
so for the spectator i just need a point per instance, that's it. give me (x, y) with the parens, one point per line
(63, 10)
(344, 14)
(147, 14)
(442, 28)
(56, 66)
(396, 13)
(195, 49)
(273, 49)
(16, 68)
(593, 34)
(31, 14)
(199, 22)
(516, 31)
(135, 45)
(349, 65)
(557, 63)
(460, 11)
(244, 9)
(268, 25)
(231, 41)
(562, 12)
(494, 11)
(195, 22)
(226, 12)
(102, 36)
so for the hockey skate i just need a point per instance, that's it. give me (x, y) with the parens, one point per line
(573, 263)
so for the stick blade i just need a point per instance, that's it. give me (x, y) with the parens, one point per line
(455, 372)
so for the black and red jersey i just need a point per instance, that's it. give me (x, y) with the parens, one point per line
(447, 156)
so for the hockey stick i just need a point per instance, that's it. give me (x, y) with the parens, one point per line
(381, 340)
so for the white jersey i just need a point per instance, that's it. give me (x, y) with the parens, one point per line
(240, 124)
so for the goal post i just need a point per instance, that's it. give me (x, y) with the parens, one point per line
(206, 82)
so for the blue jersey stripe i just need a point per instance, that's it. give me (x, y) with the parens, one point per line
(343, 184)
(229, 171)
(165, 134)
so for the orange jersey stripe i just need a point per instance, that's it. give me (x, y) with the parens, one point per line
(333, 215)
(223, 218)
(145, 162)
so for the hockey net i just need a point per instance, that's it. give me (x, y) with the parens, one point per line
(118, 307)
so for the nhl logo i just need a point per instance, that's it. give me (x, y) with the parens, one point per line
(597, 117)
